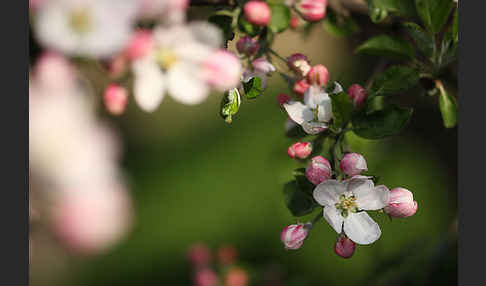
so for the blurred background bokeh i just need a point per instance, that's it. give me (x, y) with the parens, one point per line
(196, 179)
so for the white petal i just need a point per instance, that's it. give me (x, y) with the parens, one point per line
(314, 127)
(298, 112)
(327, 193)
(149, 86)
(324, 111)
(361, 228)
(206, 33)
(334, 218)
(367, 196)
(337, 88)
(185, 85)
(315, 96)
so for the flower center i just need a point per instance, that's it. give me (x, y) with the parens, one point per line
(346, 205)
(165, 58)
(80, 21)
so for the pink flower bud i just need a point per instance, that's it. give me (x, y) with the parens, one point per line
(312, 10)
(301, 86)
(299, 64)
(206, 277)
(283, 98)
(357, 94)
(353, 164)
(257, 12)
(401, 203)
(115, 99)
(262, 65)
(344, 247)
(199, 255)
(300, 150)
(295, 22)
(318, 75)
(227, 254)
(141, 44)
(318, 171)
(247, 46)
(236, 277)
(293, 236)
(222, 70)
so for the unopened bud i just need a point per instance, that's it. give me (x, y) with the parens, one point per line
(357, 94)
(300, 150)
(236, 277)
(318, 75)
(319, 170)
(115, 99)
(353, 164)
(401, 203)
(206, 277)
(227, 254)
(312, 10)
(140, 45)
(262, 65)
(344, 247)
(293, 236)
(299, 64)
(222, 70)
(283, 98)
(301, 86)
(199, 255)
(247, 46)
(295, 22)
(257, 12)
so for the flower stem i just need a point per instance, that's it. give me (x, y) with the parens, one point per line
(277, 55)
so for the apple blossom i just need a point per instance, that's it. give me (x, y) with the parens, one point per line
(345, 204)
(257, 12)
(222, 70)
(353, 164)
(261, 67)
(318, 75)
(319, 170)
(299, 64)
(300, 150)
(311, 10)
(357, 94)
(344, 247)
(141, 44)
(401, 203)
(293, 236)
(247, 46)
(115, 99)
(92, 28)
(169, 11)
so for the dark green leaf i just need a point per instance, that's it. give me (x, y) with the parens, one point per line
(340, 26)
(379, 9)
(298, 202)
(253, 88)
(247, 27)
(230, 104)
(455, 26)
(387, 46)
(342, 108)
(380, 124)
(302, 182)
(224, 23)
(374, 104)
(434, 13)
(393, 80)
(280, 19)
(424, 41)
(448, 108)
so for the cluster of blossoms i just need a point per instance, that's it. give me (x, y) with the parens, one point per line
(345, 201)
(205, 270)
(74, 161)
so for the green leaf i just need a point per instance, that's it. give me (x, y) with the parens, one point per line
(342, 109)
(302, 182)
(374, 104)
(379, 9)
(434, 13)
(455, 26)
(387, 46)
(230, 104)
(247, 27)
(224, 23)
(448, 108)
(393, 80)
(424, 41)
(253, 88)
(380, 124)
(297, 201)
(340, 26)
(280, 19)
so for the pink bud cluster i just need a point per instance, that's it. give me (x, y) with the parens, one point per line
(293, 236)
(357, 94)
(307, 75)
(115, 99)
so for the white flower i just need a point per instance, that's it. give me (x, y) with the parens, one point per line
(316, 111)
(344, 204)
(175, 65)
(94, 28)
